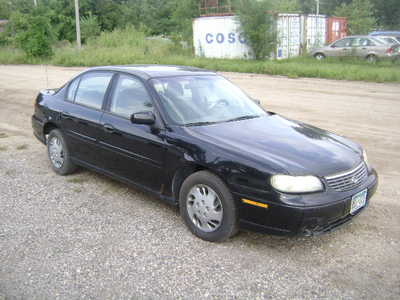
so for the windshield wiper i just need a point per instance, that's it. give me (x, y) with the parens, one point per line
(229, 120)
(200, 123)
(242, 118)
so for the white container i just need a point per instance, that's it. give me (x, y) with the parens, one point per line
(316, 31)
(289, 35)
(219, 37)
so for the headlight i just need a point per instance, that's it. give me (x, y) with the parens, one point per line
(365, 158)
(296, 184)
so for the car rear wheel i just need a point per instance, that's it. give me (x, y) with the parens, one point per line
(372, 59)
(208, 208)
(58, 153)
(319, 56)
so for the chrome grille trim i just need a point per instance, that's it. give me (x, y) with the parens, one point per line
(348, 180)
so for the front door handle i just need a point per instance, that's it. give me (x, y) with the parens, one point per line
(109, 128)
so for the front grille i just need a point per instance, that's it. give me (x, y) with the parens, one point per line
(348, 180)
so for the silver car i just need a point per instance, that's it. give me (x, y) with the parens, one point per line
(388, 39)
(363, 46)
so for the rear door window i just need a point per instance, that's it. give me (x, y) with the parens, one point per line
(361, 42)
(92, 89)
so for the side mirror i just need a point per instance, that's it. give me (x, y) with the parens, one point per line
(146, 118)
(258, 102)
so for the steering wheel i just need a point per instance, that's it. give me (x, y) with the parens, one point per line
(218, 103)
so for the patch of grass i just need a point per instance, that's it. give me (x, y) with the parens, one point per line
(77, 180)
(127, 46)
(3, 148)
(22, 147)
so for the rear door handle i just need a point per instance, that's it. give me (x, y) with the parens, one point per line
(109, 128)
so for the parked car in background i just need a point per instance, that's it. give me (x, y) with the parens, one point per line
(388, 39)
(394, 34)
(363, 46)
(194, 139)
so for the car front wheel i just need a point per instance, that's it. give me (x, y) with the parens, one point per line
(319, 56)
(58, 153)
(208, 208)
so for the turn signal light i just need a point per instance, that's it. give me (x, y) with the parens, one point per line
(255, 203)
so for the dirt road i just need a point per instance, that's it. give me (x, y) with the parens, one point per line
(86, 236)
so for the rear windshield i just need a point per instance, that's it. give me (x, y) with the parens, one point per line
(380, 42)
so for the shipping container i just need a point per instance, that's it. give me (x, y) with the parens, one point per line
(219, 37)
(289, 32)
(315, 26)
(336, 29)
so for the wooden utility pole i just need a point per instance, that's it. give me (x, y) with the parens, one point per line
(77, 25)
(35, 2)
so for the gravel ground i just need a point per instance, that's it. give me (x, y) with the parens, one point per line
(88, 237)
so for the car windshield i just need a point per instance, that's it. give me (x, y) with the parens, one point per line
(203, 100)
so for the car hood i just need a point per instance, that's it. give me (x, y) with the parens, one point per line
(273, 140)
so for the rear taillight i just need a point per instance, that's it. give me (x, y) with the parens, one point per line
(389, 51)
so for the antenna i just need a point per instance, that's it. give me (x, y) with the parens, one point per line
(47, 77)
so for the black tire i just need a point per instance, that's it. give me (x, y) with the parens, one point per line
(372, 59)
(67, 167)
(229, 224)
(319, 56)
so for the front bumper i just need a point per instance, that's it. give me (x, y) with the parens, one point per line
(306, 220)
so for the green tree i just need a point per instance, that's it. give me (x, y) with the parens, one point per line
(329, 7)
(157, 16)
(33, 34)
(360, 16)
(5, 9)
(182, 16)
(308, 6)
(286, 6)
(258, 26)
(89, 27)
(388, 13)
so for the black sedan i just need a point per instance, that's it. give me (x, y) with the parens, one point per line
(194, 139)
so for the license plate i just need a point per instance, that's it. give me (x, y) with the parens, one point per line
(358, 201)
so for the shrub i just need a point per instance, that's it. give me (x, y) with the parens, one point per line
(90, 27)
(33, 34)
(360, 15)
(258, 26)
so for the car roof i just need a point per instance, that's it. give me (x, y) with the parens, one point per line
(154, 71)
(387, 32)
(359, 36)
(385, 36)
